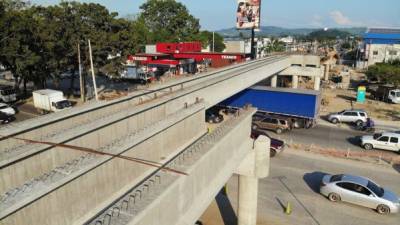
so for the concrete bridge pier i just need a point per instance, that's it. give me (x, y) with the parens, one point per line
(274, 81)
(255, 166)
(295, 81)
(317, 83)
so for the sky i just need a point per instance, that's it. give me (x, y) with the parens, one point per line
(220, 14)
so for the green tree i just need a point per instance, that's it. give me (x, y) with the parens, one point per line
(169, 21)
(385, 72)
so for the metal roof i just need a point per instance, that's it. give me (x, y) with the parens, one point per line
(384, 30)
(382, 36)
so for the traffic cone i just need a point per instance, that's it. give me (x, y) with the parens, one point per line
(288, 210)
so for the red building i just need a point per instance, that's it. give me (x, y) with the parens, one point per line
(185, 55)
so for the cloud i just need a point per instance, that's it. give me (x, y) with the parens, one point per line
(341, 19)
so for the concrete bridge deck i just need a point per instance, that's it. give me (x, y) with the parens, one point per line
(152, 127)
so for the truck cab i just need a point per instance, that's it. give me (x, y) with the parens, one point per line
(394, 96)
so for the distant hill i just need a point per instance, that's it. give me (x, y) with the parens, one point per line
(279, 31)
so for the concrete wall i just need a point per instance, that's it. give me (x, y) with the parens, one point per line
(382, 53)
(190, 195)
(305, 60)
(96, 188)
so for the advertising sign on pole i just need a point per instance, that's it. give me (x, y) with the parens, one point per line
(248, 14)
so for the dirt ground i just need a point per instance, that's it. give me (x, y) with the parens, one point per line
(335, 100)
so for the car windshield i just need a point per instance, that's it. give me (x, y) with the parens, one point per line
(335, 178)
(378, 135)
(397, 94)
(342, 112)
(375, 188)
(63, 104)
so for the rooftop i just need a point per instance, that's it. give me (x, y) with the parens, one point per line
(383, 36)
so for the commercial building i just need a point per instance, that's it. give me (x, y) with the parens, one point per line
(380, 45)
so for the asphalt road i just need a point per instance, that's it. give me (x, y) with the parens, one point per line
(324, 136)
(295, 177)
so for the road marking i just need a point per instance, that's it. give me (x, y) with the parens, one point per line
(281, 178)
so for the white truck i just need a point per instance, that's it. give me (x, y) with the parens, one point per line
(48, 100)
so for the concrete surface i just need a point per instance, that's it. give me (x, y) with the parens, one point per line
(209, 163)
(103, 177)
(294, 178)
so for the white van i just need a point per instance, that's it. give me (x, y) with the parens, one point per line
(386, 141)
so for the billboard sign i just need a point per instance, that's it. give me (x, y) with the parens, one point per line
(248, 14)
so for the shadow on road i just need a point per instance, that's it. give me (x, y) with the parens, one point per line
(396, 167)
(281, 204)
(225, 208)
(313, 180)
(354, 140)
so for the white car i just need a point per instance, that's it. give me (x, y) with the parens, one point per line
(6, 109)
(349, 116)
(386, 141)
(360, 191)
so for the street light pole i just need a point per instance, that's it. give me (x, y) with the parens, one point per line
(91, 67)
(82, 85)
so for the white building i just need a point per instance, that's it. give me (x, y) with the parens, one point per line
(381, 45)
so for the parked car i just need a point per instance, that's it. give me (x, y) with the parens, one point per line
(386, 141)
(4, 108)
(6, 118)
(361, 191)
(277, 146)
(356, 116)
(213, 116)
(270, 122)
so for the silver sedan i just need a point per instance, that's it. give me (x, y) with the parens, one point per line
(361, 191)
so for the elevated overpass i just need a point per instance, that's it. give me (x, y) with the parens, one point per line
(51, 175)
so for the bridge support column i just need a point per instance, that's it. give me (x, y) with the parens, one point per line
(295, 82)
(317, 83)
(326, 72)
(255, 166)
(274, 81)
(248, 194)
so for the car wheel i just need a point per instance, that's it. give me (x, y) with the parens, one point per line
(383, 209)
(198, 223)
(278, 131)
(359, 123)
(335, 121)
(333, 197)
(368, 147)
(272, 153)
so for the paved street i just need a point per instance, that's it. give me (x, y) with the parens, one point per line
(294, 178)
(326, 136)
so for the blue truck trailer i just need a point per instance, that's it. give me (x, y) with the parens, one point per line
(301, 106)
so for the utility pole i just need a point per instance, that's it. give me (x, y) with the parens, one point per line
(253, 47)
(213, 43)
(91, 67)
(82, 85)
